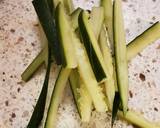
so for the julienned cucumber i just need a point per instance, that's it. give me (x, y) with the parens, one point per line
(38, 112)
(143, 40)
(96, 20)
(132, 50)
(120, 55)
(29, 71)
(56, 97)
(44, 15)
(108, 16)
(109, 83)
(36, 63)
(92, 48)
(87, 76)
(81, 95)
(137, 119)
(65, 37)
(74, 81)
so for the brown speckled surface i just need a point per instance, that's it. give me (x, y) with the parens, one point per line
(20, 43)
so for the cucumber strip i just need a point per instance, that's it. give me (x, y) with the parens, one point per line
(92, 48)
(40, 105)
(108, 12)
(74, 80)
(85, 102)
(140, 42)
(74, 18)
(112, 97)
(81, 96)
(36, 63)
(65, 36)
(87, 75)
(96, 20)
(44, 15)
(120, 55)
(56, 97)
(137, 119)
(109, 83)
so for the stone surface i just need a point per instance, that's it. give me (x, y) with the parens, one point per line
(20, 43)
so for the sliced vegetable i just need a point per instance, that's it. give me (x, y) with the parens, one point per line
(38, 112)
(92, 48)
(74, 80)
(109, 83)
(108, 12)
(137, 119)
(96, 20)
(116, 104)
(65, 36)
(120, 55)
(74, 18)
(36, 63)
(87, 76)
(143, 40)
(132, 50)
(85, 102)
(49, 28)
(56, 97)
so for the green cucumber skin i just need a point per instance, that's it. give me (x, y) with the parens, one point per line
(40, 105)
(96, 66)
(120, 54)
(50, 5)
(116, 104)
(44, 15)
(65, 34)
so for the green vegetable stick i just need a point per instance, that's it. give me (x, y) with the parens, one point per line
(108, 12)
(36, 63)
(137, 119)
(56, 97)
(109, 83)
(120, 55)
(96, 20)
(143, 40)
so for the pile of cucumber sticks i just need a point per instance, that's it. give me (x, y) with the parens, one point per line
(91, 49)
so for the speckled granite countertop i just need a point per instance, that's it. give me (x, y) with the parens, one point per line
(20, 43)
